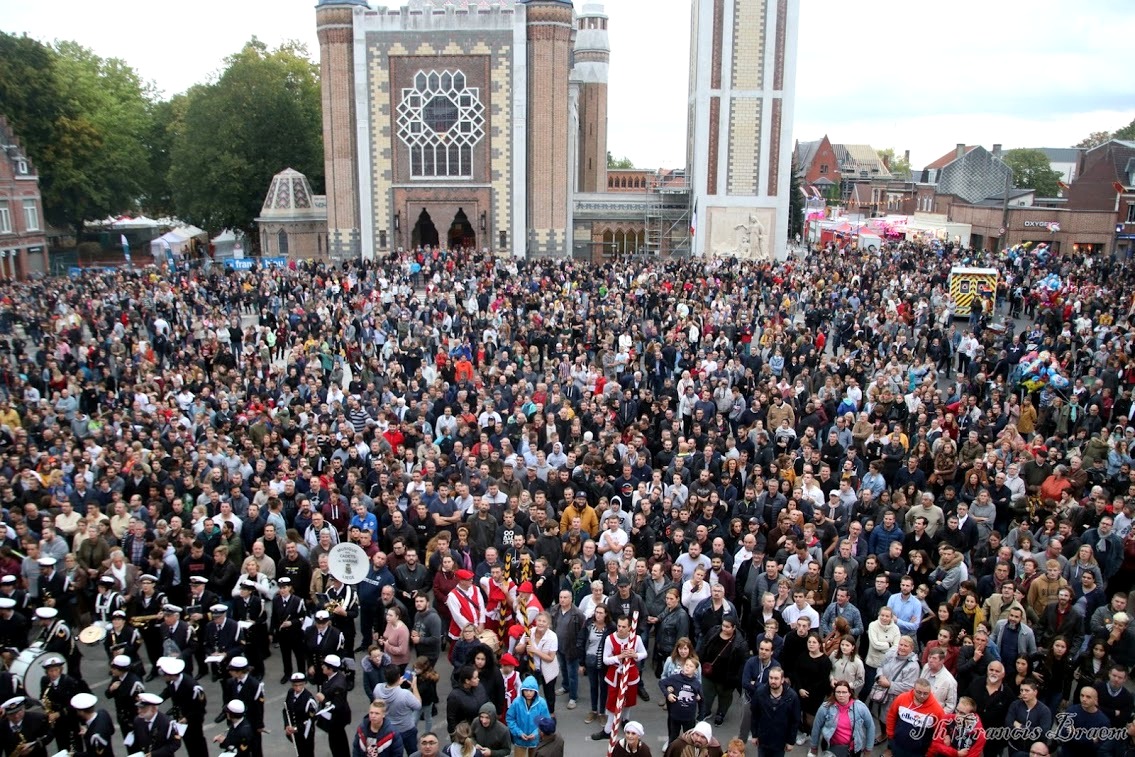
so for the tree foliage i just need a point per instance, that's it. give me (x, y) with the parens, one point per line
(228, 138)
(81, 119)
(1095, 139)
(1031, 170)
(1127, 132)
(898, 165)
(613, 162)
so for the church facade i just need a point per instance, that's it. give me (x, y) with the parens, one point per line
(483, 123)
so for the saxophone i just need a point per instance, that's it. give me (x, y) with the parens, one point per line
(140, 621)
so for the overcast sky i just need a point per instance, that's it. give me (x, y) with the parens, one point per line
(919, 76)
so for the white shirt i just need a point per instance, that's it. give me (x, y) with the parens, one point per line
(792, 613)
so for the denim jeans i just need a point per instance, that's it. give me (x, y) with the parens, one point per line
(569, 671)
(598, 687)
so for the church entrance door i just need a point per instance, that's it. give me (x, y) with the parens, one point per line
(425, 233)
(461, 232)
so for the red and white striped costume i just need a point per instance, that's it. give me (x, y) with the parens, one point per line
(501, 598)
(465, 607)
(612, 648)
(511, 688)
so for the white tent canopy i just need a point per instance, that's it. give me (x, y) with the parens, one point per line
(177, 240)
(191, 231)
(141, 222)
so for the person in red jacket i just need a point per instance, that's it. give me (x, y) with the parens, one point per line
(960, 731)
(912, 719)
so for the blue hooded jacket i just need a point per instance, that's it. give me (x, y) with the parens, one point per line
(522, 717)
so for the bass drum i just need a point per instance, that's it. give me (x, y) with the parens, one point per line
(28, 668)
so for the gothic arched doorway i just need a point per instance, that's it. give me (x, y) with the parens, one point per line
(461, 232)
(425, 233)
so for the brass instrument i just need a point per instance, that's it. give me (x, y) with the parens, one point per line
(140, 621)
(332, 606)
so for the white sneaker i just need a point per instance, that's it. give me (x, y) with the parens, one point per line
(571, 704)
(801, 738)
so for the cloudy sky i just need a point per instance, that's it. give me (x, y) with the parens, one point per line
(919, 76)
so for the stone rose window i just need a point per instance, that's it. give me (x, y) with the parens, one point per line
(441, 120)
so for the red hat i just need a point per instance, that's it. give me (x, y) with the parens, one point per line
(507, 659)
(464, 575)
(526, 588)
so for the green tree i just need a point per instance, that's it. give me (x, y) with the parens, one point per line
(898, 165)
(1095, 139)
(80, 119)
(619, 163)
(1127, 132)
(157, 196)
(1031, 170)
(228, 138)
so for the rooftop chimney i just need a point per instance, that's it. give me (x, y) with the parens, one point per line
(961, 151)
(997, 151)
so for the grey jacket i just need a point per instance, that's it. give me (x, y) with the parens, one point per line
(1026, 641)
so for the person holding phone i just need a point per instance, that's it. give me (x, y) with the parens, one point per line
(403, 703)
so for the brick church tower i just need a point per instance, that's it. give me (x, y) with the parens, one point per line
(549, 32)
(335, 27)
(589, 74)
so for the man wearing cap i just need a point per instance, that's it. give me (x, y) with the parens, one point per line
(177, 637)
(288, 614)
(125, 686)
(125, 640)
(696, 742)
(244, 686)
(96, 729)
(146, 610)
(154, 733)
(9, 587)
(108, 600)
(248, 607)
(346, 610)
(56, 689)
(56, 637)
(466, 606)
(551, 743)
(222, 636)
(52, 583)
(241, 738)
(24, 733)
(188, 701)
(14, 625)
(321, 640)
(299, 716)
(333, 697)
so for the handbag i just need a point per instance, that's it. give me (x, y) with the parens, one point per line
(707, 667)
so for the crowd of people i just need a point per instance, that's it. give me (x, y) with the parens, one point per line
(799, 493)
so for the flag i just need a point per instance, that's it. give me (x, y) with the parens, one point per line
(125, 247)
(1063, 186)
(694, 221)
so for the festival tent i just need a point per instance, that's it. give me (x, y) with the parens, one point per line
(141, 222)
(223, 244)
(177, 242)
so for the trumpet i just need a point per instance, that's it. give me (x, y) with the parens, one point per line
(332, 605)
(140, 621)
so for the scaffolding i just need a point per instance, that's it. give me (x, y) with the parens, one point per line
(667, 215)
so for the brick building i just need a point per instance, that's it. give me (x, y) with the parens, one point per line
(23, 246)
(1106, 182)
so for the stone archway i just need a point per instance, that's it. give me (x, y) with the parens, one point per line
(461, 232)
(425, 233)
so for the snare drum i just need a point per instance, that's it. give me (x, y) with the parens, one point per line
(28, 668)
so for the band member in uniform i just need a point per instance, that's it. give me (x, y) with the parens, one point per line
(9, 587)
(288, 612)
(154, 735)
(501, 593)
(333, 693)
(51, 584)
(14, 625)
(56, 689)
(222, 636)
(11, 685)
(124, 639)
(145, 611)
(108, 600)
(187, 700)
(96, 729)
(177, 637)
(24, 733)
(247, 688)
(241, 737)
(320, 640)
(466, 606)
(57, 638)
(125, 686)
(249, 608)
(197, 613)
(343, 604)
(299, 715)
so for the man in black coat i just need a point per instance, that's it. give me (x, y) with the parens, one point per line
(321, 640)
(222, 635)
(241, 737)
(56, 690)
(125, 686)
(154, 733)
(21, 728)
(333, 694)
(288, 613)
(246, 687)
(299, 716)
(188, 701)
(96, 729)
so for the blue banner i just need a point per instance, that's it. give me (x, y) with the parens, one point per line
(245, 264)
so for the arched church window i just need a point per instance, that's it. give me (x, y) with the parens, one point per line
(441, 119)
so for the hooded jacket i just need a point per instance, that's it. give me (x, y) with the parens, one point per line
(495, 738)
(522, 717)
(402, 707)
